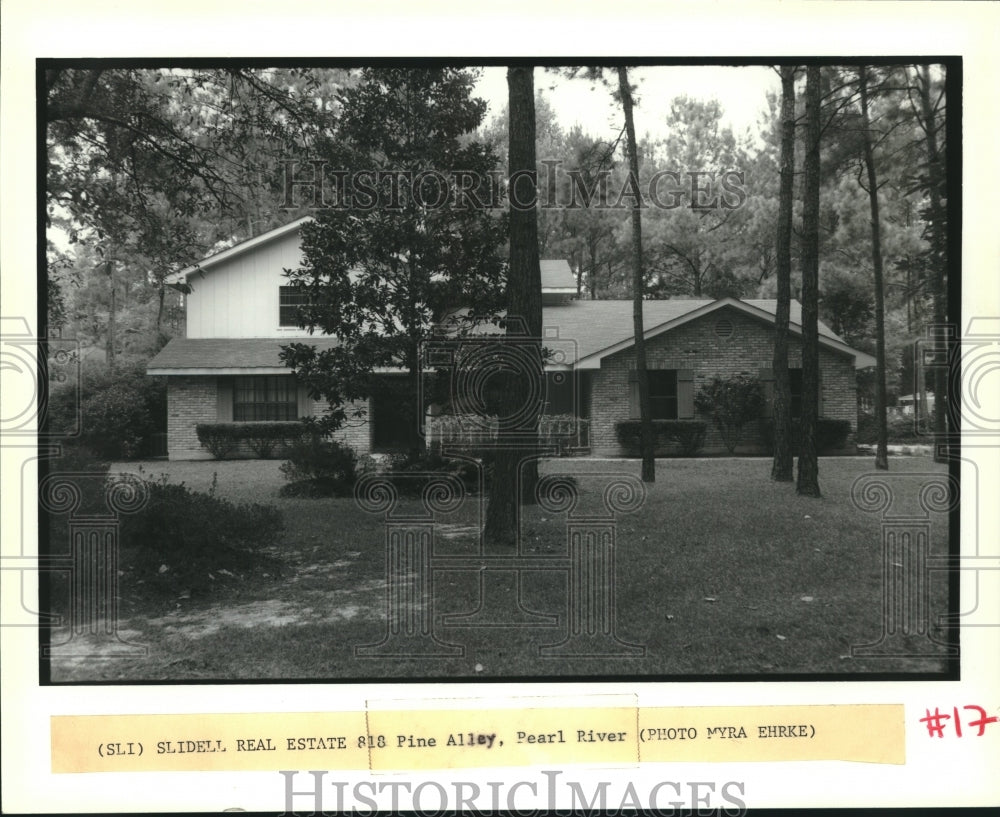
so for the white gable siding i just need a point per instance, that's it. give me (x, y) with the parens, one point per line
(238, 298)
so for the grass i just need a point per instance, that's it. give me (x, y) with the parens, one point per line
(721, 572)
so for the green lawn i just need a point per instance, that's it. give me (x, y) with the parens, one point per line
(721, 572)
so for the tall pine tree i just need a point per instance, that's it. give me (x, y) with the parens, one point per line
(808, 475)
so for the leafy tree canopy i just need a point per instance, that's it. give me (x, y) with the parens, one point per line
(382, 277)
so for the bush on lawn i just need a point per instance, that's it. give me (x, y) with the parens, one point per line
(688, 434)
(86, 471)
(187, 540)
(411, 472)
(116, 411)
(318, 467)
(831, 434)
(732, 403)
(900, 430)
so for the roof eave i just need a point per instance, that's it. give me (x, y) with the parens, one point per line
(221, 371)
(862, 360)
(237, 249)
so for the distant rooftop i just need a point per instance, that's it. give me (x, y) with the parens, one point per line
(557, 276)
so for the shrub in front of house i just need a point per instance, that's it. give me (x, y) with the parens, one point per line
(731, 402)
(900, 430)
(411, 472)
(317, 467)
(831, 434)
(262, 438)
(219, 438)
(112, 412)
(188, 540)
(689, 435)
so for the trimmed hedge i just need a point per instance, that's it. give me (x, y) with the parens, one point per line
(221, 439)
(689, 434)
(831, 435)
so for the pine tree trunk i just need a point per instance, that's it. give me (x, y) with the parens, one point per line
(516, 470)
(414, 393)
(808, 476)
(939, 278)
(160, 295)
(112, 309)
(781, 467)
(642, 376)
(881, 425)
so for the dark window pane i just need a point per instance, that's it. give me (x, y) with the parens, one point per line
(663, 383)
(795, 384)
(265, 397)
(663, 394)
(289, 301)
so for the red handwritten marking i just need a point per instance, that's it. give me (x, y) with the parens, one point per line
(936, 721)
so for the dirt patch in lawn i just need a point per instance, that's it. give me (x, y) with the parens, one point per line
(315, 593)
(311, 607)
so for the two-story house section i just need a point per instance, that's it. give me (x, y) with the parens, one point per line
(240, 311)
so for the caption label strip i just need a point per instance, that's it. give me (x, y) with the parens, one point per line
(389, 740)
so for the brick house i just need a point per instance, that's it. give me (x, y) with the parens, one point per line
(239, 312)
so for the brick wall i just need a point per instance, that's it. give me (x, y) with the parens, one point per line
(194, 399)
(696, 346)
(190, 400)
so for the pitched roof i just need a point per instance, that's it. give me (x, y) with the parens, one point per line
(556, 273)
(595, 329)
(557, 276)
(178, 278)
(598, 326)
(227, 355)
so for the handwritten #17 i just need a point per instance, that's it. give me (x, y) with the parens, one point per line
(936, 721)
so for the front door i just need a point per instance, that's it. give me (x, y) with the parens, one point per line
(394, 419)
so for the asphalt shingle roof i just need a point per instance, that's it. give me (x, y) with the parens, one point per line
(596, 325)
(228, 353)
(593, 325)
(556, 274)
